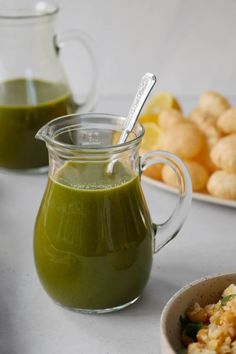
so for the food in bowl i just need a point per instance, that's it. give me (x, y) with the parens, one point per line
(211, 329)
(205, 291)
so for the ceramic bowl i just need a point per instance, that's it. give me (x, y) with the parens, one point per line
(204, 291)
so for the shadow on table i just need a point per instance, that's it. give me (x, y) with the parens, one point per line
(8, 343)
(153, 299)
(150, 303)
(138, 322)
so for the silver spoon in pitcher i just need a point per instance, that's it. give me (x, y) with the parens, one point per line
(145, 86)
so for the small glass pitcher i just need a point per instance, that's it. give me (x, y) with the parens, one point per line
(94, 238)
(33, 84)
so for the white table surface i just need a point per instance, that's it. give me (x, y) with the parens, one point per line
(30, 323)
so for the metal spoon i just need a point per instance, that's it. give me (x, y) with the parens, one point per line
(145, 86)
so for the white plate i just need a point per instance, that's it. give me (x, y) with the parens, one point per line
(188, 103)
(199, 196)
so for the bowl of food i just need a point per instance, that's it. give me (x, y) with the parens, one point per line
(201, 317)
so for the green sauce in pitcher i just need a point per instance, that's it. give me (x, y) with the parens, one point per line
(25, 106)
(93, 237)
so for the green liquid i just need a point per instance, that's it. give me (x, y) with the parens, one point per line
(93, 237)
(25, 106)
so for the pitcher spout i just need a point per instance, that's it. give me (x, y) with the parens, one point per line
(43, 133)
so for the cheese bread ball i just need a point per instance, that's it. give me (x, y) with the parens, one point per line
(200, 117)
(212, 134)
(184, 140)
(169, 117)
(223, 154)
(154, 171)
(199, 175)
(205, 159)
(213, 103)
(227, 121)
(222, 184)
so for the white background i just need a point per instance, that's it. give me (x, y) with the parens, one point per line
(189, 44)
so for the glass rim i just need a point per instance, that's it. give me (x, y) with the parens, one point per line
(38, 10)
(90, 149)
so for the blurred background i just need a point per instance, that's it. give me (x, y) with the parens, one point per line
(189, 44)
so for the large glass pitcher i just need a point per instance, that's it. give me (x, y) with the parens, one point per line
(94, 238)
(33, 85)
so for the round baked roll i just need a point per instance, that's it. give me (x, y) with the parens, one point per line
(184, 140)
(213, 103)
(169, 117)
(212, 134)
(223, 154)
(227, 121)
(204, 159)
(222, 184)
(200, 117)
(198, 173)
(154, 171)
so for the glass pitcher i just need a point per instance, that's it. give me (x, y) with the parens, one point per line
(33, 85)
(94, 238)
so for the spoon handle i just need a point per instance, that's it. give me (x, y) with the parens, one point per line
(145, 86)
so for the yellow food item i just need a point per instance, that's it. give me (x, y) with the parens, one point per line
(227, 121)
(198, 173)
(199, 117)
(207, 124)
(154, 171)
(211, 133)
(184, 140)
(151, 137)
(215, 326)
(222, 184)
(213, 103)
(169, 117)
(205, 159)
(196, 313)
(158, 103)
(199, 140)
(223, 154)
(147, 118)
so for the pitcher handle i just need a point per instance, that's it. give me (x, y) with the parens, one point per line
(166, 231)
(89, 45)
